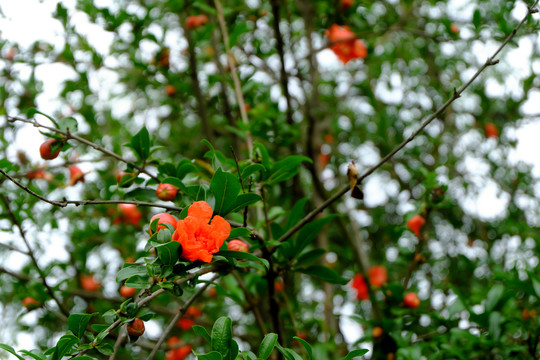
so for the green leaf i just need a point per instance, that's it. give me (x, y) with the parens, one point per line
(31, 112)
(246, 354)
(64, 345)
(77, 323)
(296, 213)
(306, 346)
(355, 353)
(244, 200)
(99, 338)
(477, 19)
(11, 350)
(222, 336)
(184, 169)
(84, 357)
(138, 282)
(213, 355)
(310, 256)
(243, 255)
(286, 169)
(168, 252)
(289, 354)
(234, 349)
(105, 349)
(267, 345)
(225, 187)
(250, 170)
(130, 270)
(68, 124)
(495, 324)
(141, 143)
(493, 296)
(324, 273)
(310, 231)
(35, 354)
(239, 232)
(197, 193)
(535, 283)
(201, 331)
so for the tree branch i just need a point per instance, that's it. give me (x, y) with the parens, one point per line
(30, 253)
(180, 312)
(234, 74)
(69, 135)
(280, 48)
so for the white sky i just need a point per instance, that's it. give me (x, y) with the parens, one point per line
(28, 21)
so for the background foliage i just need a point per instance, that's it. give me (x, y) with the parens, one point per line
(165, 100)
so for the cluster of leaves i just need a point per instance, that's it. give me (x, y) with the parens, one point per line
(308, 116)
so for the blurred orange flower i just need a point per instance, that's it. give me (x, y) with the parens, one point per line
(359, 284)
(345, 46)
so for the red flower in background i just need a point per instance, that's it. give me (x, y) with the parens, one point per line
(359, 284)
(199, 239)
(345, 46)
(75, 175)
(196, 21)
(129, 214)
(378, 275)
(187, 321)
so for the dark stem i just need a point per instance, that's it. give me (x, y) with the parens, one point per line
(30, 253)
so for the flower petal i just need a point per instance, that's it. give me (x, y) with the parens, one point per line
(201, 210)
(220, 229)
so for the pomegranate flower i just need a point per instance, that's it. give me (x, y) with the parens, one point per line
(359, 284)
(345, 46)
(199, 238)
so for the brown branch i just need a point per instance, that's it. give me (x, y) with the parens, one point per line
(69, 135)
(456, 94)
(30, 253)
(280, 48)
(66, 202)
(201, 103)
(181, 311)
(234, 74)
(150, 297)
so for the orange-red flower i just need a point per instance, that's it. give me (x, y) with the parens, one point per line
(199, 239)
(359, 284)
(378, 275)
(179, 353)
(187, 321)
(196, 21)
(345, 45)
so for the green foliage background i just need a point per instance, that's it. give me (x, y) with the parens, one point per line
(475, 274)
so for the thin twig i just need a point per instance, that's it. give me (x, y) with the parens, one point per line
(234, 74)
(66, 202)
(148, 298)
(252, 302)
(69, 135)
(118, 343)
(456, 94)
(181, 311)
(17, 223)
(12, 248)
